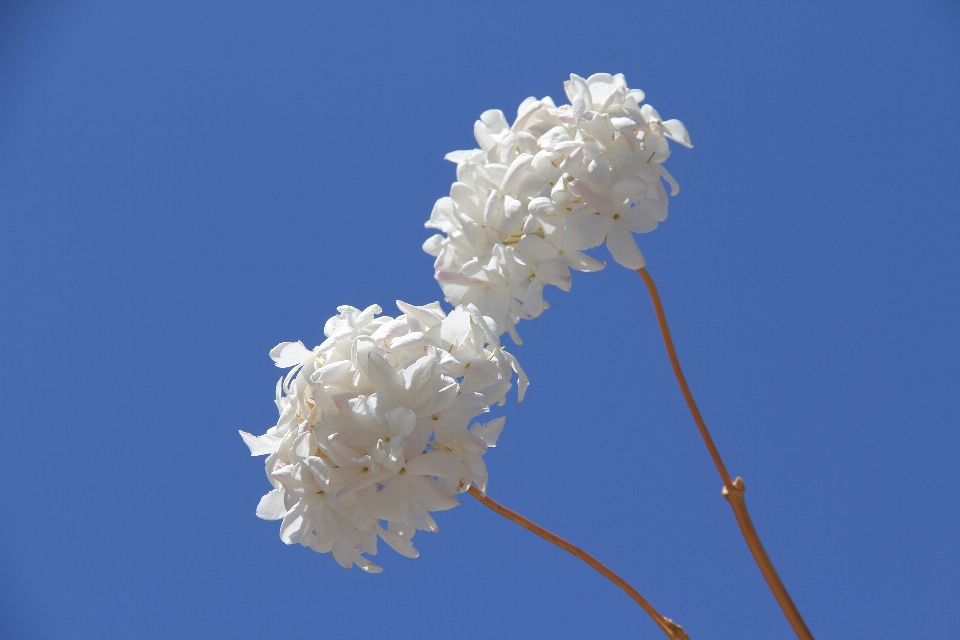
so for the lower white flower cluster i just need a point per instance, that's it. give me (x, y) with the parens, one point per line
(537, 193)
(373, 431)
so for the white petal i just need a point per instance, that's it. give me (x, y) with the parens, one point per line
(288, 354)
(511, 181)
(554, 272)
(676, 131)
(478, 469)
(591, 198)
(522, 380)
(536, 248)
(582, 262)
(592, 228)
(540, 207)
(429, 315)
(428, 494)
(382, 376)
(305, 445)
(332, 372)
(495, 392)
(495, 121)
(344, 552)
(577, 87)
(445, 464)
(392, 502)
(271, 506)
(457, 157)
(455, 327)
(645, 217)
(364, 481)
(441, 399)
(490, 431)
(401, 421)
(630, 188)
(418, 377)
(409, 341)
(366, 565)
(398, 543)
(293, 527)
(624, 248)
(261, 445)
(434, 244)
(320, 470)
(443, 217)
(674, 186)
(553, 137)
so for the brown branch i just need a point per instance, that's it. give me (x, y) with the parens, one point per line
(733, 490)
(669, 627)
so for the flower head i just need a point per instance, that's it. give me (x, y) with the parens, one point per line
(538, 193)
(374, 430)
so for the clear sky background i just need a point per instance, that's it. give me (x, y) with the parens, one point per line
(184, 185)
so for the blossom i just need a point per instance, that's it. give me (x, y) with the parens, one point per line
(374, 431)
(540, 192)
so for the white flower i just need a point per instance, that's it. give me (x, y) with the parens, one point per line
(536, 194)
(374, 433)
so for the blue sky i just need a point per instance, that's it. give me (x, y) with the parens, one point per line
(182, 187)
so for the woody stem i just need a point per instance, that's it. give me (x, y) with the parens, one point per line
(670, 628)
(733, 490)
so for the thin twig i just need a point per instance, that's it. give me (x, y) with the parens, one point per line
(733, 490)
(669, 627)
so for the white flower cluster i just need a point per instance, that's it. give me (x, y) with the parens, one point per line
(535, 195)
(373, 427)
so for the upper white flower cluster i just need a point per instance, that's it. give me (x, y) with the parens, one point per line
(373, 427)
(535, 195)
